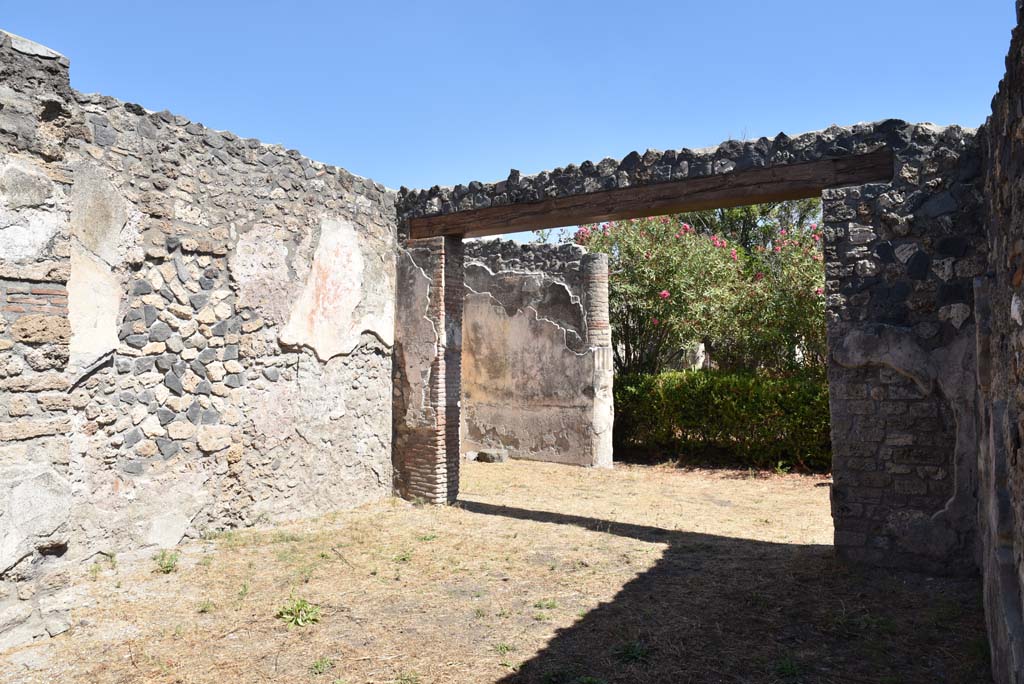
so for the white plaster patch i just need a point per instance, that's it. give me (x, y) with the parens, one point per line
(26, 236)
(259, 267)
(94, 300)
(34, 504)
(98, 213)
(326, 317)
(170, 504)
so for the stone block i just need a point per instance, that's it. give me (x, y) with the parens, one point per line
(41, 329)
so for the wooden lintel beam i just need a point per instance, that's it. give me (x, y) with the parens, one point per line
(738, 188)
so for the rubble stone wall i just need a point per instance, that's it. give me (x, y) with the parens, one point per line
(1000, 342)
(195, 332)
(900, 259)
(532, 385)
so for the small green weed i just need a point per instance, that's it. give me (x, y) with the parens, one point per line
(205, 606)
(546, 604)
(320, 666)
(166, 561)
(306, 573)
(299, 612)
(787, 667)
(633, 652)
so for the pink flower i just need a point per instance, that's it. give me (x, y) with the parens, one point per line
(819, 292)
(733, 254)
(686, 228)
(664, 294)
(758, 276)
(778, 249)
(815, 237)
(782, 232)
(654, 321)
(814, 226)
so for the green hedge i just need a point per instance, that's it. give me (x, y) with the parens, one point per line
(737, 419)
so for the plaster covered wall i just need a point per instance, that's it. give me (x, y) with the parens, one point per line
(900, 258)
(426, 370)
(195, 332)
(532, 385)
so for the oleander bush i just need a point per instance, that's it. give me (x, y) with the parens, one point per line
(747, 283)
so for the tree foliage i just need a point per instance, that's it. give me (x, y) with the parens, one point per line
(747, 282)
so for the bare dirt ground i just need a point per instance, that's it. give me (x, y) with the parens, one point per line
(544, 573)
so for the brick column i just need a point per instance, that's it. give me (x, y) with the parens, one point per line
(450, 418)
(595, 290)
(599, 337)
(428, 335)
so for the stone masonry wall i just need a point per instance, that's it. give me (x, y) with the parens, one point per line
(1000, 342)
(531, 382)
(195, 332)
(426, 370)
(900, 258)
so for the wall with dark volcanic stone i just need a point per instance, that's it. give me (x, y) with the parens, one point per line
(900, 259)
(1000, 342)
(195, 332)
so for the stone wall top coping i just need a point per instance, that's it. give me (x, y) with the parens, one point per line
(30, 47)
(659, 166)
(93, 100)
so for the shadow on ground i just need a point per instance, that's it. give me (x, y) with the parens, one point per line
(715, 609)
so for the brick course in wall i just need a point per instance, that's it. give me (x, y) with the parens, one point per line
(900, 258)
(196, 333)
(926, 311)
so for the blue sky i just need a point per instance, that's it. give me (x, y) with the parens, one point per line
(425, 93)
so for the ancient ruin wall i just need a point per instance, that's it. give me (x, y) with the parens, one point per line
(1000, 342)
(195, 331)
(533, 386)
(900, 258)
(426, 370)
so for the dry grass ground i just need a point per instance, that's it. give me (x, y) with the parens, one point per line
(543, 574)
